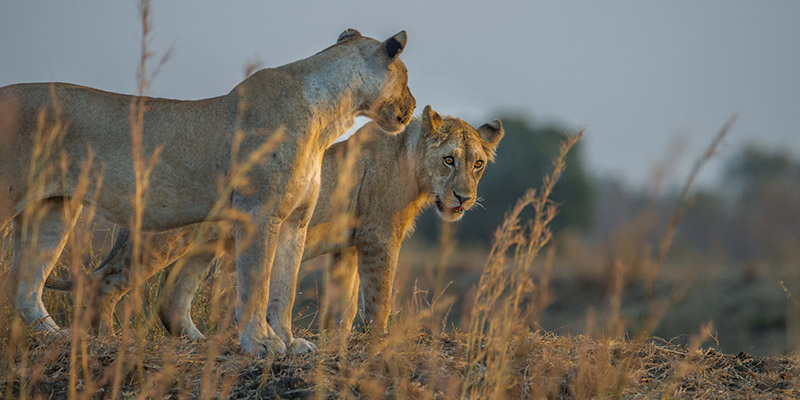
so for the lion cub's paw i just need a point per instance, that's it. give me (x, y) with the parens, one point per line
(302, 346)
(57, 334)
(189, 331)
(193, 335)
(262, 347)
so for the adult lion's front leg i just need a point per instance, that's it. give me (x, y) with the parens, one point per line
(253, 267)
(283, 283)
(281, 213)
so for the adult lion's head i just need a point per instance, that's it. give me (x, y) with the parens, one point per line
(386, 75)
(455, 157)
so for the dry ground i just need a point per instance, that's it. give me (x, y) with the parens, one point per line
(423, 365)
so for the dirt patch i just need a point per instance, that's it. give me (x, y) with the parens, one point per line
(421, 366)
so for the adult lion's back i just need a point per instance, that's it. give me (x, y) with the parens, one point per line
(45, 123)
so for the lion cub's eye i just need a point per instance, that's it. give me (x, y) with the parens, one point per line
(478, 164)
(449, 160)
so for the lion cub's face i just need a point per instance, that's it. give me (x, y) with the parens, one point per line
(456, 156)
(386, 75)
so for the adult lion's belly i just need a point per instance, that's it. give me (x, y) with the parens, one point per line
(322, 239)
(178, 199)
(316, 241)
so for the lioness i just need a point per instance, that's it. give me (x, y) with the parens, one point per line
(434, 161)
(312, 102)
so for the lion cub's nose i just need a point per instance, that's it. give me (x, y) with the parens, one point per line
(461, 199)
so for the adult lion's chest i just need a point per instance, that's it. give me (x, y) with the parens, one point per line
(305, 186)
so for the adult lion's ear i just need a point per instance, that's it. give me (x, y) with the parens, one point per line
(347, 34)
(393, 46)
(490, 134)
(431, 121)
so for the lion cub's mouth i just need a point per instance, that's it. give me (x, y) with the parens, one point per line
(440, 206)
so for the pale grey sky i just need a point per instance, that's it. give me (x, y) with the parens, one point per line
(635, 73)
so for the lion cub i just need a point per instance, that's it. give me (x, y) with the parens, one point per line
(309, 103)
(435, 161)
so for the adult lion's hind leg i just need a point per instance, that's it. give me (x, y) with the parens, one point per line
(36, 249)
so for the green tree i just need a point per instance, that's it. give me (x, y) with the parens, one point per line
(767, 185)
(768, 208)
(754, 166)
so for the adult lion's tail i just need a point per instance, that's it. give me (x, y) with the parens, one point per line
(67, 285)
(64, 285)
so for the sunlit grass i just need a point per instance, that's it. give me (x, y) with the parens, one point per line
(495, 348)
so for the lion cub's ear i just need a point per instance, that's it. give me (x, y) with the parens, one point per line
(431, 122)
(490, 134)
(393, 46)
(347, 34)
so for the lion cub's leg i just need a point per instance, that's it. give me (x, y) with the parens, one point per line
(117, 276)
(111, 280)
(351, 307)
(283, 281)
(340, 302)
(37, 248)
(377, 261)
(175, 301)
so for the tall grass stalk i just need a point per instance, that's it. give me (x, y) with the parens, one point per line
(505, 284)
(498, 353)
(142, 166)
(657, 309)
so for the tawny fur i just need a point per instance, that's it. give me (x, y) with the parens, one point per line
(390, 181)
(311, 102)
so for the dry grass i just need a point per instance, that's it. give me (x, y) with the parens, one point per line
(496, 351)
(540, 365)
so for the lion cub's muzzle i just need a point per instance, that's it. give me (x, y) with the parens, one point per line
(451, 207)
(464, 203)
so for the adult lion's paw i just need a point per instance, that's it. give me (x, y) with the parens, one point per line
(261, 345)
(302, 346)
